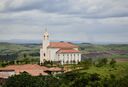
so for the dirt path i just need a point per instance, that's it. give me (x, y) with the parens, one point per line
(122, 60)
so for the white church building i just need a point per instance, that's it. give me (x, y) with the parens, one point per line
(62, 52)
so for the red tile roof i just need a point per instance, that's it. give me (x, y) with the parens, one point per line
(32, 69)
(62, 45)
(68, 51)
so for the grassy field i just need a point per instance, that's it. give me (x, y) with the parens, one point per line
(120, 70)
(11, 48)
(9, 51)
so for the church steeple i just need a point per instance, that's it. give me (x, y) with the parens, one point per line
(45, 39)
(46, 35)
(44, 49)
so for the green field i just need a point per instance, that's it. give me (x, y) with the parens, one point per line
(9, 51)
(120, 70)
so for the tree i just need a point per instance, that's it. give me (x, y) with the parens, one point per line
(102, 62)
(26, 80)
(112, 62)
(86, 63)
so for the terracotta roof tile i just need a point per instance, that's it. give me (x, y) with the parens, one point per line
(32, 69)
(62, 45)
(68, 51)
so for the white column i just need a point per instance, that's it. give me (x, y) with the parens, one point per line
(69, 58)
(79, 57)
(61, 58)
(65, 60)
(76, 58)
(73, 57)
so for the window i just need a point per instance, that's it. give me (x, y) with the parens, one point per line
(44, 54)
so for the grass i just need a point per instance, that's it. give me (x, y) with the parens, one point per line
(120, 69)
(13, 48)
(101, 48)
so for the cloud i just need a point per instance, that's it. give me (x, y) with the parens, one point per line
(69, 20)
(80, 8)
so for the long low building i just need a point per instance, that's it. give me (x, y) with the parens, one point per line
(32, 69)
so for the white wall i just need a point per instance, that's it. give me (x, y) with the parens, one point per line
(52, 54)
(69, 57)
(41, 55)
(7, 73)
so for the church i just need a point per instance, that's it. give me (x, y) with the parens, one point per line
(61, 52)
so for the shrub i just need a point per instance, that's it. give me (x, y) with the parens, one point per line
(102, 62)
(112, 62)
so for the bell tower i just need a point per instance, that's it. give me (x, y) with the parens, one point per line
(43, 49)
(45, 39)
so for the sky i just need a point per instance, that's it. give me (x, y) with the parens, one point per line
(91, 21)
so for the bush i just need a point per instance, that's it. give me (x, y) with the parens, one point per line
(86, 63)
(112, 62)
(102, 62)
(26, 80)
(70, 79)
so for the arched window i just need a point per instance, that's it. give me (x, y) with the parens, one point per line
(44, 54)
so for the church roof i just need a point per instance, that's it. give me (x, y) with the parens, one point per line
(62, 45)
(68, 51)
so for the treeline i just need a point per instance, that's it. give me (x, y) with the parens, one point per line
(20, 62)
(18, 55)
(70, 79)
(86, 64)
(8, 57)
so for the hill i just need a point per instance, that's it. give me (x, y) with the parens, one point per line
(11, 51)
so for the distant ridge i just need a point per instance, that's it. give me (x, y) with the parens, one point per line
(21, 41)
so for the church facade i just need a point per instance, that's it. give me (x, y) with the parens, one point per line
(62, 52)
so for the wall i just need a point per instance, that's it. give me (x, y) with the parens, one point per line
(52, 54)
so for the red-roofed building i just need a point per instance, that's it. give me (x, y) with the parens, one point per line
(63, 52)
(32, 69)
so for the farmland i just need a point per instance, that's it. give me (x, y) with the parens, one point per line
(11, 51)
